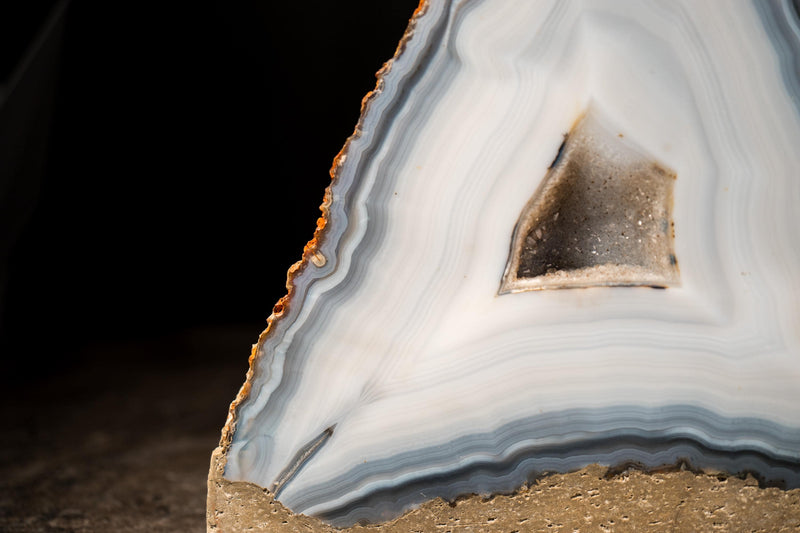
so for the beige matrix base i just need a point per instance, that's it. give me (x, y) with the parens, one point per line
(587, 500)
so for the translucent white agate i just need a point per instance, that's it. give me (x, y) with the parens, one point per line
(397, 373)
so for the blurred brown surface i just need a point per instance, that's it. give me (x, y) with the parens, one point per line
(122, 441)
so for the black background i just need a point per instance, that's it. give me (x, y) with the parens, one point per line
(189, 150)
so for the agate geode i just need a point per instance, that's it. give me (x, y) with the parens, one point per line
(563, 233)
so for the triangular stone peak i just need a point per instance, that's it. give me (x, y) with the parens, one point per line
(393, 374)
(602, 216)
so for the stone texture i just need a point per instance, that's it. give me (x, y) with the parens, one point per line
(587, 500)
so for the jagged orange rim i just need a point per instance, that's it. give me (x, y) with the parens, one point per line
(311, 248)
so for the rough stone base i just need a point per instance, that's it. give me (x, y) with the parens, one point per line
(586, 500)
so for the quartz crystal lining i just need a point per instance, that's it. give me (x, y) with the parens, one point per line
(394, 333)
(602, 216)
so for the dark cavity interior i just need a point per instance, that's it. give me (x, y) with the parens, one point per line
(602, 216)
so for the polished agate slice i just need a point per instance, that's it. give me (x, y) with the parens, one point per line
(411, 361)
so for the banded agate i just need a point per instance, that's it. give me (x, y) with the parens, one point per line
(426, 349)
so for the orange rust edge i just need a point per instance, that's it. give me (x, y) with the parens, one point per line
(311, 247)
